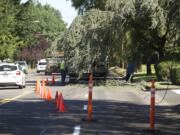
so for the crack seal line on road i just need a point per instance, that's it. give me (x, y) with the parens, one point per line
(7, 100)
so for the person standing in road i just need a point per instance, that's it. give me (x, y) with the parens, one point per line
(63, 73)
(130, 72)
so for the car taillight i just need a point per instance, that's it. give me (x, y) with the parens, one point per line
(18, 73)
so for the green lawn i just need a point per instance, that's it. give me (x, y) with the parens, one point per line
(138, 77)
(141, 77)
(145, 80)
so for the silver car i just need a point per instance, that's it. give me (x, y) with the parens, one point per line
(12, 75)
(24, 66)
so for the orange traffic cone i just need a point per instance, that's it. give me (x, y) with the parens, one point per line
(53, 79)
(45, 94)
(49, 95)
(40, 88)
(47, 82)
(61, 104)
(56, 97)
(43, 83)
(37, 86)
(42, 91)
(58, 100)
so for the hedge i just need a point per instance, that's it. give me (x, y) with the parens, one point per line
(164, 69)
(175, 75)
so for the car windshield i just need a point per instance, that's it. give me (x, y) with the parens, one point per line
(42, 63)
(22, 64)
(8, 68)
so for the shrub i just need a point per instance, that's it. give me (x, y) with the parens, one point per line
(164, 68)
(175, 75)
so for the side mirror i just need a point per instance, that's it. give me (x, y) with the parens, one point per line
(24, 71)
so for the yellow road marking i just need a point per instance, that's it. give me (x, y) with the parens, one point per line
(2, 100)
(7, 100)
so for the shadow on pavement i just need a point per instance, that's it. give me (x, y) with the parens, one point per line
(8, 87)
(39, 117)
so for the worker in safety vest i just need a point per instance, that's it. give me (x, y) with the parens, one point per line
(63, 72)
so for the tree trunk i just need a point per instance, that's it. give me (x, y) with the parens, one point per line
(33, 64)
(148, 68)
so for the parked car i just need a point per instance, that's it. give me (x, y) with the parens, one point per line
(24, 65)
(41, 65)
(12, 75)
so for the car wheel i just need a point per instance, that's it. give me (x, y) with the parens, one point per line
(21, 87)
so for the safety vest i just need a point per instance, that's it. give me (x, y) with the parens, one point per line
(62, 65)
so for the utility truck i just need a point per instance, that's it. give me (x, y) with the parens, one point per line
(94, 61)
(86, 45)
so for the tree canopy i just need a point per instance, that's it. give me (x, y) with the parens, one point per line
(139, 31)
(25, 26)
(85, 32)
(84, 5)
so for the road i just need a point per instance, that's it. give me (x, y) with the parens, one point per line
(117, 110)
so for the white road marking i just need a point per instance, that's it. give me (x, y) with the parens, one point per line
(86, 95)
(176, 91)
(43, 131)
(85, 107)
(77, 130)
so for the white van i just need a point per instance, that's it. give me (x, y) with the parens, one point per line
(41, 65)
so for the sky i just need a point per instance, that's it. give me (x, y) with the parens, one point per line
(67, 11)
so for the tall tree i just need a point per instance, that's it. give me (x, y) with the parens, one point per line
(140, 29)
(85, 38)
(36, 22)
(8, 39)
(22, 25)
(84, 5)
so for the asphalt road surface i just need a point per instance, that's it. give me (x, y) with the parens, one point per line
(117, 110)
